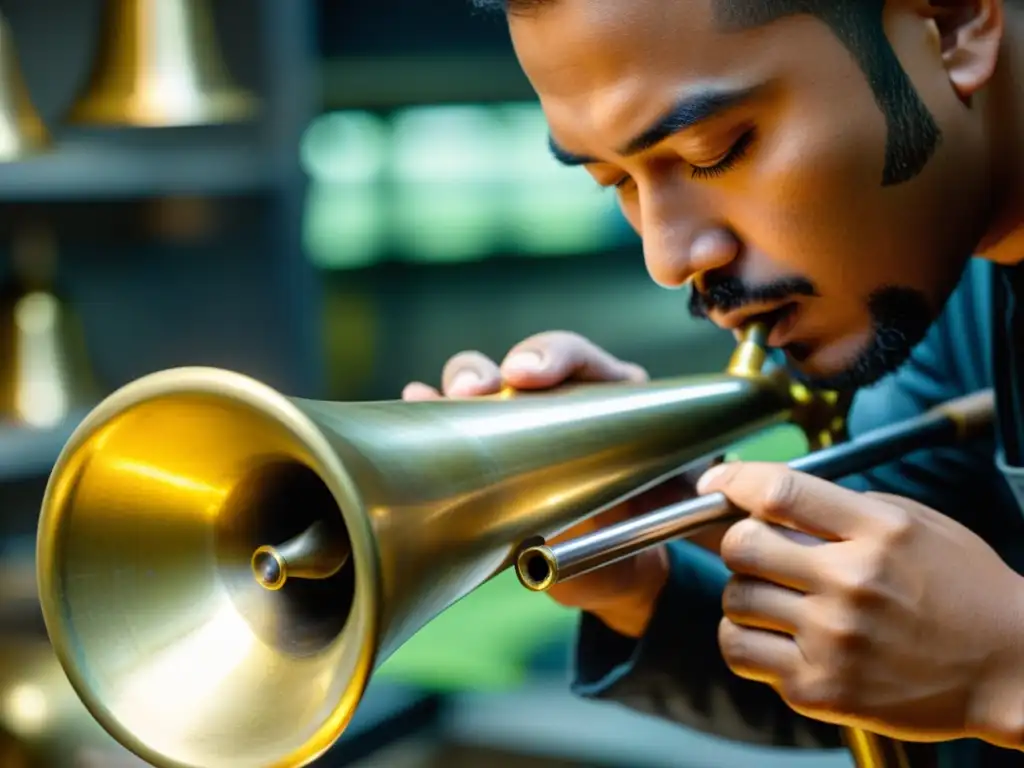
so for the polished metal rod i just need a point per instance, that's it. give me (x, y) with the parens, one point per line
(540, 567)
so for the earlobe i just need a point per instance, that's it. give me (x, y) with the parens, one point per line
(972, 34)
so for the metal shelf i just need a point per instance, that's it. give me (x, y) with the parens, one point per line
(93, 169)
(27, 454)
(385, 83)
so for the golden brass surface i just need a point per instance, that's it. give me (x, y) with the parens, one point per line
(159, 65)
(22, 131)
(193, 658)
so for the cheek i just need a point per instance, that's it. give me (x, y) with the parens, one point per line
(811, 200)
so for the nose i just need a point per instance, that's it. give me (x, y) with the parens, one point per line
(679, 245)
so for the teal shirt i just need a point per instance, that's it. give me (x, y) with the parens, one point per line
(676, 670)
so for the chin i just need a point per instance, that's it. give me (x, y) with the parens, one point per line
(848, 364)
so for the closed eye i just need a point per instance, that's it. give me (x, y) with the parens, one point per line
(735, 154)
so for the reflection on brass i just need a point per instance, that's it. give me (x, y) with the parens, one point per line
(158, 65)
(183, 498)
(22, 131)
(44, 368)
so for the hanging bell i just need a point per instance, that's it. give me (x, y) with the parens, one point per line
(22, 132)
(45, 374)
(159, 65)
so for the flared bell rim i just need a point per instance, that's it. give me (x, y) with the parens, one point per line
(249, 392)
(103, 110)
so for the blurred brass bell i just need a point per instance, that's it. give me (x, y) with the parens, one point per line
(44, 371)
(159, 65)
(22, 131)
(43, 724)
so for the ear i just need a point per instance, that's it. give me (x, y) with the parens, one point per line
(971, 33)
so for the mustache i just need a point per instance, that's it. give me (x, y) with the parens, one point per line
(727, 293)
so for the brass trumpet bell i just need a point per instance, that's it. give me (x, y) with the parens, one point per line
(221, 567)
(159, 65)
(22, 131)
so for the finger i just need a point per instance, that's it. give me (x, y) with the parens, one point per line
(757, 604)
(754, 548)
(548, 359)
(470, 374)
(777, 494)
(754, 654)
(417, 391)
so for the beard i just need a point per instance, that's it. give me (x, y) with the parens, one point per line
(900, 319)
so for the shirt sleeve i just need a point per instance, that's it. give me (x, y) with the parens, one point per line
(675, 671)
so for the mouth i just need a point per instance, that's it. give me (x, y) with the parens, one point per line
(780, 319)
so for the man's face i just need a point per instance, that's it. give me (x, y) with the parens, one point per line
(767, 188)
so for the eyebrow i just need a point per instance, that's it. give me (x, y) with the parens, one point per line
(683, 115)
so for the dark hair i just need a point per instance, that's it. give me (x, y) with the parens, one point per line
(913, 134)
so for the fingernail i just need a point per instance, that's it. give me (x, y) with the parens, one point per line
(526, 362)
(708, 478)
(464, 382)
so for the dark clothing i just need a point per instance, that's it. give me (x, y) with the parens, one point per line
(676, 670)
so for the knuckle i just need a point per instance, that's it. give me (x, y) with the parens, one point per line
(781, 494)
(897, 524)
(818, 690)
(732, 644)
(843, 631)
(859, 584)
(467, 360)
(560, 342)
(739, 545)
(736, 598)
(471, 361)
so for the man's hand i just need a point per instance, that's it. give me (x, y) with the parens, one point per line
(621, 595)
(896, 619)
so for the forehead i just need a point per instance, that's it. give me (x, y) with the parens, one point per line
(610, 65)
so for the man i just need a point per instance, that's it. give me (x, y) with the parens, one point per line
(828, 165)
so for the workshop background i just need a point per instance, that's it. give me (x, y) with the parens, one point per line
(389, 201)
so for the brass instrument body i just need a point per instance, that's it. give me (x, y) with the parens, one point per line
(165, 491)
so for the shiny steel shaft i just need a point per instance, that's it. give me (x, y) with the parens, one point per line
(541, 567)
